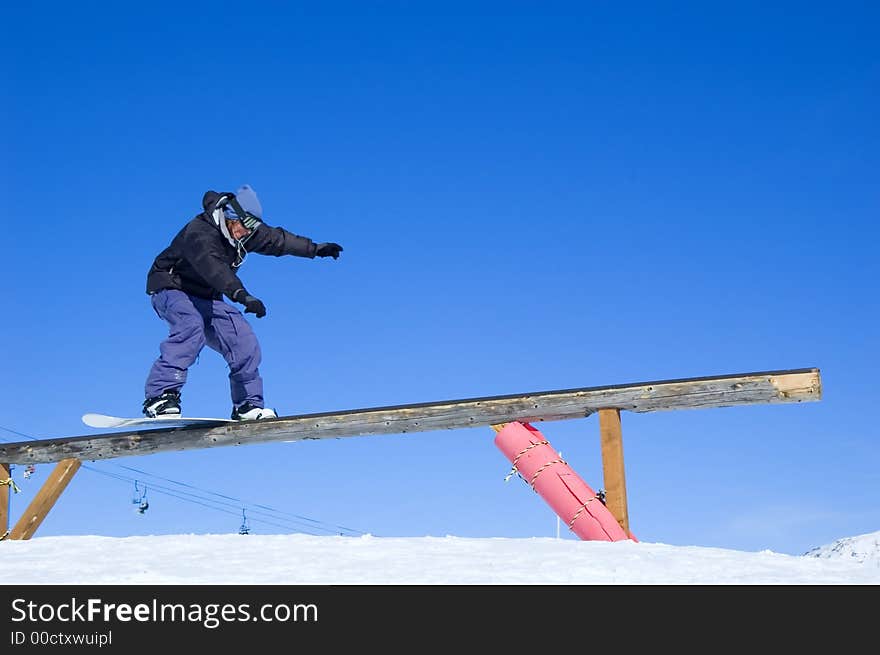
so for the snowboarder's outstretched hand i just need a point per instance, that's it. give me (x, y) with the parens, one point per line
(254, 306)
(251, 304)
(328, 250)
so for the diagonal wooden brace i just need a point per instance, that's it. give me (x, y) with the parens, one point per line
(4, 500)
(46, 497)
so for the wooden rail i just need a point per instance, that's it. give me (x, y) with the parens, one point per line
(790, 386)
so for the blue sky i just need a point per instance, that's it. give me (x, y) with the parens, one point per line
(531, 196)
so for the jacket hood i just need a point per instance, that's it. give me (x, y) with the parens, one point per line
(213, 203)
(211, 199)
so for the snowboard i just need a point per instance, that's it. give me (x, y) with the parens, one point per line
(105, 421)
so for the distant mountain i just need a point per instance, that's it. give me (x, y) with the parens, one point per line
(863, 548)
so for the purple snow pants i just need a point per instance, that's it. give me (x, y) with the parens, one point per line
(194, 323)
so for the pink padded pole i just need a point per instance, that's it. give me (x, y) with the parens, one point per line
(567, 494)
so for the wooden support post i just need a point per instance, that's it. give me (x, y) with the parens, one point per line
(612, 465)
(5, 474)
(44, 500)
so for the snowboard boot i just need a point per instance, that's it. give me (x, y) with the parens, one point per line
(249, 412)
(167, 403)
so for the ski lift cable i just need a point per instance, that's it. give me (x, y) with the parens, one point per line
(213, 507)
(238, 501)
(168, 491)
(20, 434)
(190, 500)
(208, 502)
(334, 528)
(226, 511)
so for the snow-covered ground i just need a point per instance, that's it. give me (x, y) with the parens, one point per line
(322, 560)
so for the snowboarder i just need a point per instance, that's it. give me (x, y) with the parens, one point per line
(186, 284)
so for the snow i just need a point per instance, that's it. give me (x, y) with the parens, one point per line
(864, 548)
(298, 559)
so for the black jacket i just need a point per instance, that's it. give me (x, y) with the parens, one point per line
(201, 261)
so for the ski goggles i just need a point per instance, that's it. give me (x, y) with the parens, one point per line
(233, 211)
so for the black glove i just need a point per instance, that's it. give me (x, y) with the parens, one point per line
(251, 305)
(328, 250)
